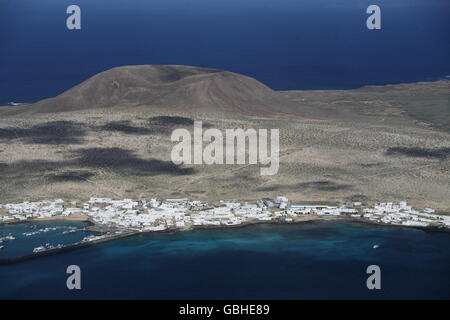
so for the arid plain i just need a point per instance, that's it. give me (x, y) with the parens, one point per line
(110, 136)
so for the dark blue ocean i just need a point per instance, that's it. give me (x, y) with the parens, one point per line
(286, 44)
(310, 261)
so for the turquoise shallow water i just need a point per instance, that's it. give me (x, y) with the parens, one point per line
(310, 261)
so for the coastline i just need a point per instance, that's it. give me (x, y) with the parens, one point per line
(111, 237)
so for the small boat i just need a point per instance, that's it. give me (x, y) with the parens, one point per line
(7, 238)
(39, 249)
(14, 104)
(376, 246)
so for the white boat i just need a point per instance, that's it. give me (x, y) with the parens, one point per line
(376, 246)
(14, 104)
(7, 238)
(39, 249)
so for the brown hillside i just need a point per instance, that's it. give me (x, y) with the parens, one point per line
(180, 88)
